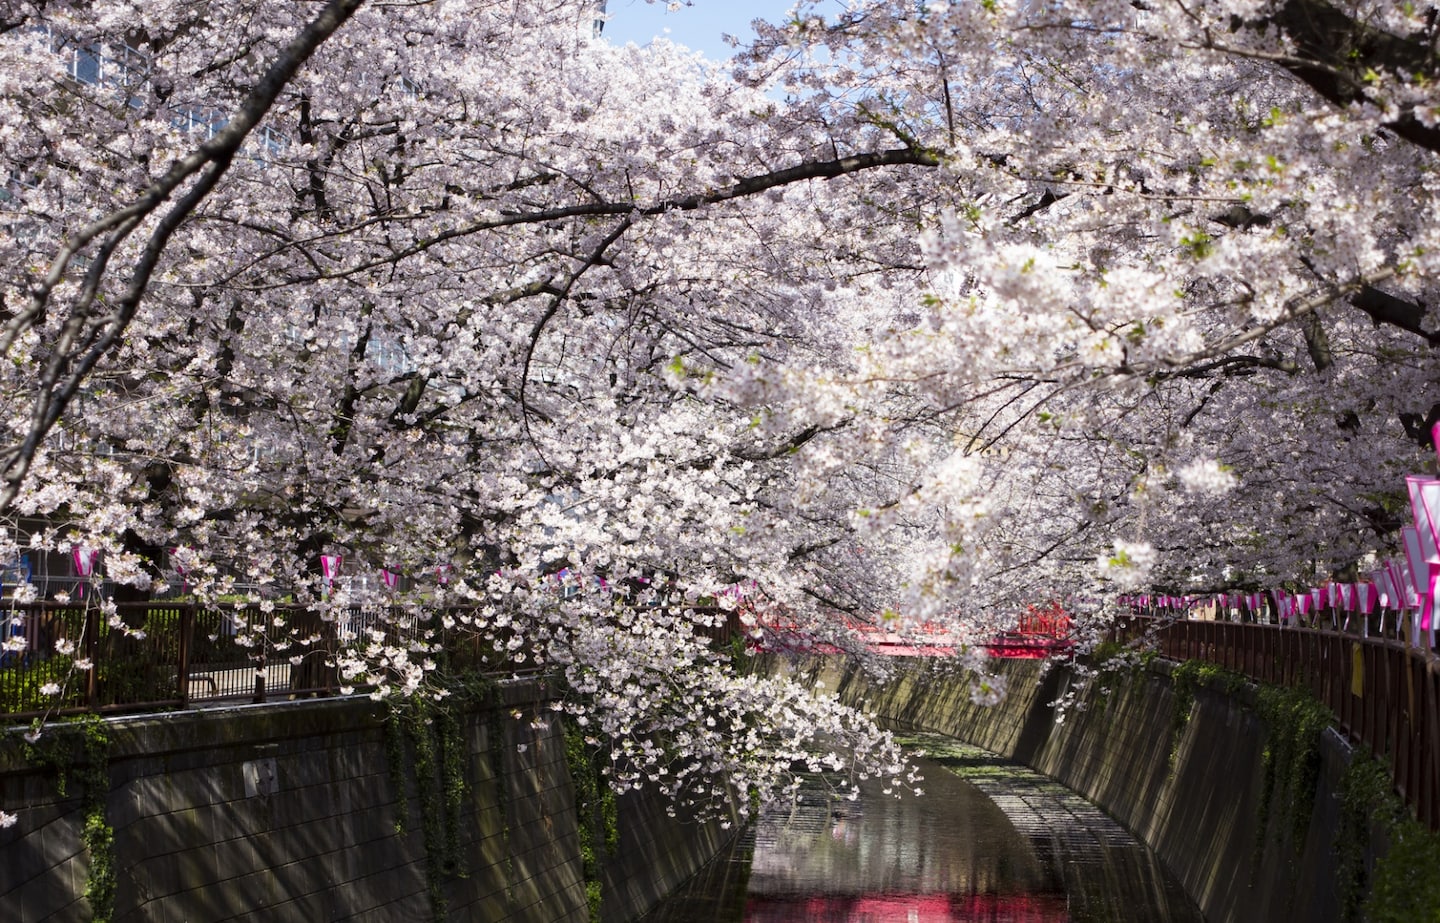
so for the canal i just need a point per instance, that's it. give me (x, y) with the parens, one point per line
(988, 841)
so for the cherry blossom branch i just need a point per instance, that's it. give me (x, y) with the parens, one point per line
(1297, 309)
(76, 355)
(745, 188)
(1336, 54)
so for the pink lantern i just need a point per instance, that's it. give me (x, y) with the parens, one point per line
(330, 567)
(85, 558)
(1425, 509)
(1419, 574)
(1412, 568)
(1384, 595)
(178, 563)
(1422, 543)
(1366, 596)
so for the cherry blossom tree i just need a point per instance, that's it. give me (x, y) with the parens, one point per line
(431, 285)
(910, 314)
(1180, 311)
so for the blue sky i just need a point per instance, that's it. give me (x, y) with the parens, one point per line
(698, 27)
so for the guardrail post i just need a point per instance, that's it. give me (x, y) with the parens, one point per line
(90, 642)
(182, 667)
(260, 667)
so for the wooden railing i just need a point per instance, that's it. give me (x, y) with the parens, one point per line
(1385, 694)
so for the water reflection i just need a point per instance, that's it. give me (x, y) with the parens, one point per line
(952, 855)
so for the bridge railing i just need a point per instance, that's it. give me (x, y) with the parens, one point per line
(1385, 695)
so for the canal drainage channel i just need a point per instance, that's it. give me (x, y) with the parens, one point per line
(1107, 873)
(1065, 860)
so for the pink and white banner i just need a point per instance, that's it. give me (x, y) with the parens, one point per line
(85, 558)
(389, 577)
(1384, 594)
(1425, 510)
(330, 567)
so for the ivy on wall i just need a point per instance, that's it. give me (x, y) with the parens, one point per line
(1295, 721)
(424, 741)
(1402, 887)
(79, 751)
(1185, 679)
(596, 811)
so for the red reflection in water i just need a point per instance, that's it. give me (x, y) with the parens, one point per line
(909, 908)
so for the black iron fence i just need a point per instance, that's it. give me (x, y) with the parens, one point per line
(1384, 693)
(76, 657)
(67, 658)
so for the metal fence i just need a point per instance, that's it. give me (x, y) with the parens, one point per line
(151, 656)
(1384, 693)
(74, 658)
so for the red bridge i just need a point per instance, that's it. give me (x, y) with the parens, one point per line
(1041, 633)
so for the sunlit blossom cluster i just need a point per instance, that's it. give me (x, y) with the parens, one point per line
(891, 324)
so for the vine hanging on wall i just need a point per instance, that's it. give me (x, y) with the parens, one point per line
(80, 751)
(596, 811)
(424, 741)
(1295, 720)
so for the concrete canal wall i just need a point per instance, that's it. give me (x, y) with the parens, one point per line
(1206, 814)
(297, 811)
(293, 812)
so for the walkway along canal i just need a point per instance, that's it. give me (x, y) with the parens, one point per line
(988, 840)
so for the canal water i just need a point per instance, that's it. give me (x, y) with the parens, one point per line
(988, 841)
